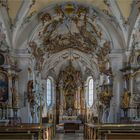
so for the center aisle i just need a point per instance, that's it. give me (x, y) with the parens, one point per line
(68, 136)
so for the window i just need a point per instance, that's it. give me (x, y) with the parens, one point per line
(49, 92)
(90, 91)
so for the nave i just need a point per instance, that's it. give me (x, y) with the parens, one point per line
(70, 63)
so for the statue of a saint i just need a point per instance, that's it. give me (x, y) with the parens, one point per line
(125, 101)
(106, 97)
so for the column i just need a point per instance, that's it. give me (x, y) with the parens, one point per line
(116, 64)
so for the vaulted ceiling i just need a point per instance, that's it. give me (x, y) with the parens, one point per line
(20, 12)
(54, 24)
(123, 5)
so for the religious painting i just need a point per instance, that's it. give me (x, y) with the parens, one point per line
(3, 87)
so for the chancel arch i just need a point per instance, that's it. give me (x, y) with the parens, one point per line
(81, 60)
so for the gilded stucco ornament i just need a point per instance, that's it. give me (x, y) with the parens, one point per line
(72, 29)
(67, 26)
(45, 17)
(102, 57)
(69, 80)
(37, 53)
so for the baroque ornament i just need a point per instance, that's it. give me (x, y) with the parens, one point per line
(74, 27)
(67, 26)
(70, 81)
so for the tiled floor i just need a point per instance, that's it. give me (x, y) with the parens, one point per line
(68, 136)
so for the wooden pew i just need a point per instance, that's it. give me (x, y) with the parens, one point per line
(27, 131)
(123, 136)
(112, 131)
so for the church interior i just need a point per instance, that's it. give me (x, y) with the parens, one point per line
(70, 69)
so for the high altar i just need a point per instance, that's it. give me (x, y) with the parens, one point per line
(71, 102)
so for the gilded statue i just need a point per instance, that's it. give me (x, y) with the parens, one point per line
(125, 101)
(106, 97)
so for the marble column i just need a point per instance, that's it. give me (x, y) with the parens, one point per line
(116, 64)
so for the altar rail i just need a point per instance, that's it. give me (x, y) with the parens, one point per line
(28, 131)
(112, 132)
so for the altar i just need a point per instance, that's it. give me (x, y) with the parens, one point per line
(67, 118)
(71, 127)
(70, 100)
(71, 123)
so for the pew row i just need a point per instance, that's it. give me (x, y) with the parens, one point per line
(27, 132)
(112, 132)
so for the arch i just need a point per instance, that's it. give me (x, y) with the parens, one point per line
(57, 59)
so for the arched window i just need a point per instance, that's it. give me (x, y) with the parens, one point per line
(90, 91)
(49, 92)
